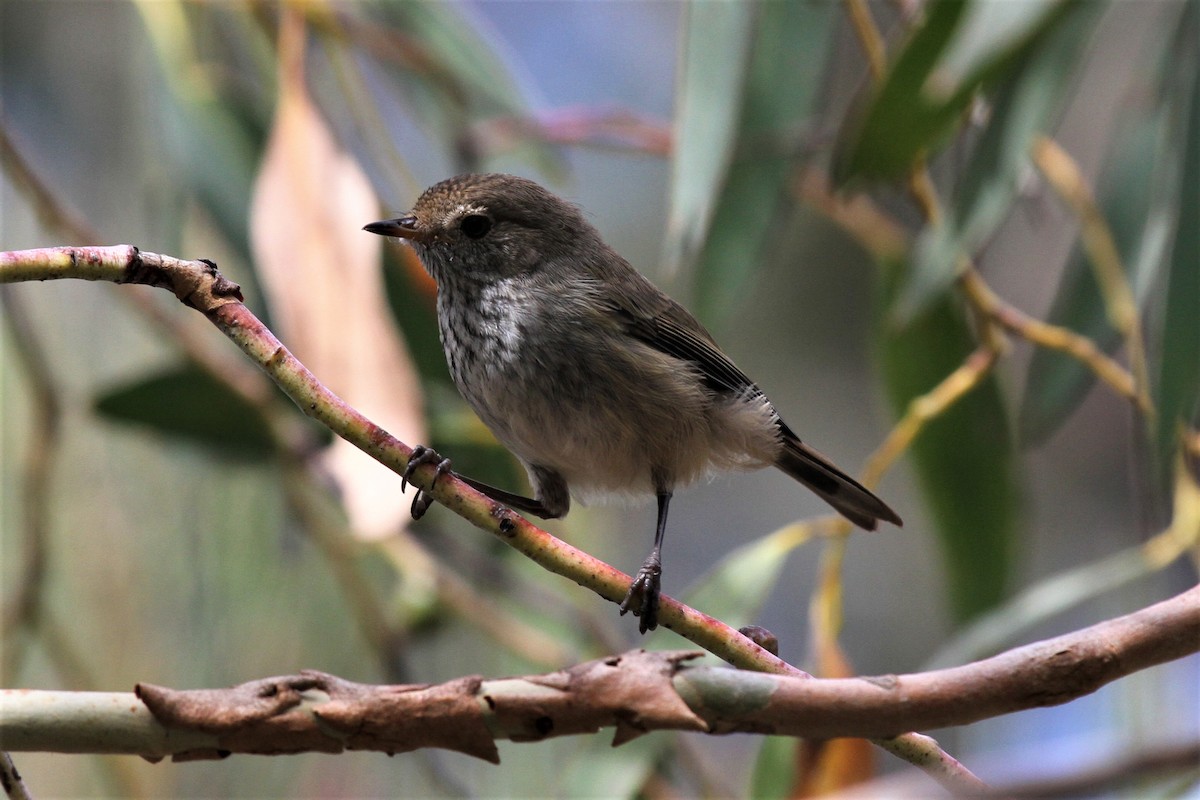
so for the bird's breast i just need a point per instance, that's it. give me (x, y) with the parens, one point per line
(483, 330)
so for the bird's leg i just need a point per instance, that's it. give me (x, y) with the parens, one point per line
(642, 598)
(423, 500)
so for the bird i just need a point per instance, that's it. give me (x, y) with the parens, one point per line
(598, 382)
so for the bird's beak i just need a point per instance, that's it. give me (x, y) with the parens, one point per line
(405, 227)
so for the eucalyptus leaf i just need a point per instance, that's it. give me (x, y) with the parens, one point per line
(1035, 605)
(736, 588)
(1137, 193)
(1030, 92)
(217, 140)
(774, 768)
(1177, 390)
(874, 144)
(790, 46)
(600, 768)
(712, 77)
(963, 457)
(465, 76)
(187, 403)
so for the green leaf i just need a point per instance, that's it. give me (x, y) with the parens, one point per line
(1036, 605)
(774, 768)
(189, 404)
(217, 139)
(598, 768)
(716, 57)
(458, 73)
(1177, 390)
(905, 119)
(963, 458)
(460, 49)
(1031, 90)
(874, 144)
(790, 46)
(1137, 194)
(735, 589)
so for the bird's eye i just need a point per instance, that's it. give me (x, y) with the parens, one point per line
(475, 226)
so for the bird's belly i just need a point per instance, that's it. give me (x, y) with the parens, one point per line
(603, 447)
(608, 432)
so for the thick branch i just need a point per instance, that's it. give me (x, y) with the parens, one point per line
(633, 693)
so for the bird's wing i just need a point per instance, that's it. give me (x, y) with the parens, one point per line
(717, 370)
(655, 319)
(668, 336)
(661, 323)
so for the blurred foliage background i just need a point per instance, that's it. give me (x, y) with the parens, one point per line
(837, 209)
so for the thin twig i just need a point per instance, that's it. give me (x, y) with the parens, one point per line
(1063, 174)
(885, 240)
(1053, 337)
(414, 561)
(50, 211)
(869, 37)
(927, 407)
(1104, 778)
(602, 128)
(10, 779)
(22, 609)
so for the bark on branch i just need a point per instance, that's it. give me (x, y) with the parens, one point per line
(634, 693)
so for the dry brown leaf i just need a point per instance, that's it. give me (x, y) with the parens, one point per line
(321, 275)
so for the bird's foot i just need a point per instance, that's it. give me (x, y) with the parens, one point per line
(643, 595)
(423, 455)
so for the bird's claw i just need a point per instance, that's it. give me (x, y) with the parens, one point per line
(420, 504)
(422, 455)
(642, 598)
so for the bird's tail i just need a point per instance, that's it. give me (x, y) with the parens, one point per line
(849, 497)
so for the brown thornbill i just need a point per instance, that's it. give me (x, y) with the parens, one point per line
(597, 381)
